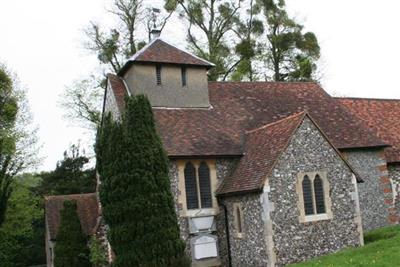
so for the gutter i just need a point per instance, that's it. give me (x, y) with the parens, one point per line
(228, 243)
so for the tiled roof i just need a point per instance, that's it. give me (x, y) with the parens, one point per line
(119, 89)
(262, 148)
(240, 106)
(159, 51)
(382, 115)
(88, 212)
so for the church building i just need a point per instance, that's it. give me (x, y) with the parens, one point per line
(264, 173)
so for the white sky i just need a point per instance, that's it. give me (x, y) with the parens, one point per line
(41, 41)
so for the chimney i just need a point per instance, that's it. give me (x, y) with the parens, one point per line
(155, 34)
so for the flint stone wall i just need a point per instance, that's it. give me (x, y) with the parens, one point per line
(371, 166)
(394, 175)
(182, 221)
(293, 241)
(224, 167)
(249, 250)
(111, 104)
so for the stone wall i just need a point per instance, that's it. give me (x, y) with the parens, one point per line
(375, 193)
(182, 221)
(111, 103)
(223, 168)
(295, 241)
(141, 79)
(394, 175)
(250, 249)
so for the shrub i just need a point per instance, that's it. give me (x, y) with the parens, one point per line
(135, 192)
(71, 244)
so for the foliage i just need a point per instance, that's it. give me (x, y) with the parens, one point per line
(291, 55)
(71, 247)
(248, 29)
(82, 101)
(69, 176)
(115, 45)
(18, 149)
(135, 191)
(210, 20)
(97, 253)
(381, 249)
(22, 234)
(135, 19)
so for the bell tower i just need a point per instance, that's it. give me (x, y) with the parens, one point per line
(169, 76)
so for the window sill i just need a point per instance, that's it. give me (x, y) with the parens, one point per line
(199, 212)
(206, 262)
(317, 217)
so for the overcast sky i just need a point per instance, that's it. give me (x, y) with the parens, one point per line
(41, 41)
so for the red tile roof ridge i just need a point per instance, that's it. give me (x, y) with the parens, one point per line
(144, 48)
(159, 39)
(187, 52)
(184, 108)
(302, 113)
(368, 98)
(269, 82)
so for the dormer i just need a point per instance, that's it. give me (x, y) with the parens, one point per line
(169, 76)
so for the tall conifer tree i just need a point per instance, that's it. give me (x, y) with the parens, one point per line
(135, 191)
(71, 247)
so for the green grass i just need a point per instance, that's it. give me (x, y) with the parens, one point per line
(382, 249)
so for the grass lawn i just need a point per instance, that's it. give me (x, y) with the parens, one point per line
(382, 249)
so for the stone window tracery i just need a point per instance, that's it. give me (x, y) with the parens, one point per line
(314, 199)
(198, 186)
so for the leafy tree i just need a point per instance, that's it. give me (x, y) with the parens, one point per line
(70, 176)
(135, 191)
(209, 20)
(82, 100)
(248, 28)
(18, 140)
(22, 234)
(291, 55)
(71, 247)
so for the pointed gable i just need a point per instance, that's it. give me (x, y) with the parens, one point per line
(87, 208)
(119, 90)
(262, 149)
(159, 51)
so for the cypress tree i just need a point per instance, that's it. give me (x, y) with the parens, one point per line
(135, 192)
(71, 247)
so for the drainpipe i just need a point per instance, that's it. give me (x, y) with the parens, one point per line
(228, 243)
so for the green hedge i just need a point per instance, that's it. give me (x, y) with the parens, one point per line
(135, 193)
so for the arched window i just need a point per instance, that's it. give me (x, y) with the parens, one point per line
(307, 196)
(205, 185)
(314, 200)
(238, 219)
(191, 187)
(319, 195)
